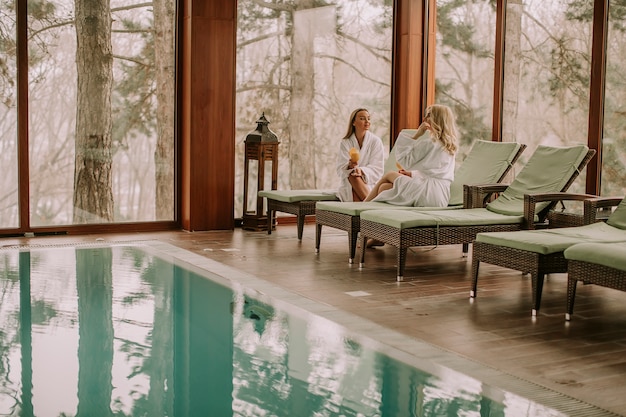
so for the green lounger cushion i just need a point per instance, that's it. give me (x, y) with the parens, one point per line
(618, 217)
(548, 170)
(405, 219)
(294, 196)
(356, 208)
(549, 241)
(610, 255)
(484, 164)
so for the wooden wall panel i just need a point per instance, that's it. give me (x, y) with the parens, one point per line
(208, 115)
(408, 69)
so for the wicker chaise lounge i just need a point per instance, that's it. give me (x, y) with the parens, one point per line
(549, 170)
(487, 162)
(540, 252)
(298, 202)
(594, 263)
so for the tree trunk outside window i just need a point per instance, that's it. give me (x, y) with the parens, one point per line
(164, 10)
(93, 196)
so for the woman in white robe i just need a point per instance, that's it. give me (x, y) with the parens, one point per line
(358, 177)
(428, 163)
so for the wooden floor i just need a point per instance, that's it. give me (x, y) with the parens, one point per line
(584, 359)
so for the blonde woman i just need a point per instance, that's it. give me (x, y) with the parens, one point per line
(358, 176)
(428, 164)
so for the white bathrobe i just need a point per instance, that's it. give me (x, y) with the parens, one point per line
(371, 161)
(432, 170)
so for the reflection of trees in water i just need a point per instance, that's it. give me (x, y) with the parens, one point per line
(306, 366)
(9, 325)
(95, 329)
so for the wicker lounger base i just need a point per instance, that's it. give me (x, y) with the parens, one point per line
(300, 208)
(535, 264)
(350, 224)
(591, 273)
(403, 239)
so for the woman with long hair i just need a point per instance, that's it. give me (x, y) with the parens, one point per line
(427, 163)
(360, 158)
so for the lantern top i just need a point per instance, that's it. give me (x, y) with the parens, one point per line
(262, 133)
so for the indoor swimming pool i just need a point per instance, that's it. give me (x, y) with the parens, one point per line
(148, 329)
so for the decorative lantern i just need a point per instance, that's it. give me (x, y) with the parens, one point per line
(261, 146)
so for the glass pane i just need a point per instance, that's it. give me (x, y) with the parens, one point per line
(105, 154)
(613, 179)
(464, 66)
(8, 119)
(307, 68)
(546, 75)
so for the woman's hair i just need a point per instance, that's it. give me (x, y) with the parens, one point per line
(443, 124)
(350, 130)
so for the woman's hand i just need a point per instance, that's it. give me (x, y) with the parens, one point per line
(405, 172)
(357, 172)
(422, 129)
(352, 164)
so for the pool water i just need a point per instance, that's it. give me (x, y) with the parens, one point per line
(131, 330)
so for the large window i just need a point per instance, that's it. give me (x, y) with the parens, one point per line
(101, 111)
(613, 181)
(464, 68)
(8, 120)
(546, 75)
(307, 68)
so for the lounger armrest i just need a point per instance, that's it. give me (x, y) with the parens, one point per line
(599, 208)
(476, 195)
(531, 200)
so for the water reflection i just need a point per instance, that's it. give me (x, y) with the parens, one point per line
(118, 331)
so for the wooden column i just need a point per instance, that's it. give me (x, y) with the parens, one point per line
(596, 96)
(207, 116)
(408, 82)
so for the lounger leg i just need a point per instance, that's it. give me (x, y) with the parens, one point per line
(353, 238)
(571, 296)
(537, 289)
(300, 225)
(465, 249)
(401, 255)
(362, 243)
(318, 237)
(475, 265)
(269, 219)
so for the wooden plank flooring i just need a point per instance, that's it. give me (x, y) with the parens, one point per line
(584, 359)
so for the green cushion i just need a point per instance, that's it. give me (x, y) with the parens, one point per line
(294, 196)
(484, 164)
(610, 255)
(548, 170)
(618, 217)
(405, 219)
(352, 208)
(549, 241)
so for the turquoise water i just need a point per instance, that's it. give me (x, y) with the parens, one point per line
(124, 331)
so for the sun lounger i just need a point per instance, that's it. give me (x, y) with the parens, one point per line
(595, 263)
(487, 162)
(541, 252)
(298, 202)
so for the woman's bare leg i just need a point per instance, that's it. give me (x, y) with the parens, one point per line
(359, 188)
(385, 183)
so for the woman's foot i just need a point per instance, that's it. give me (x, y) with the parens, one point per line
(373, 242)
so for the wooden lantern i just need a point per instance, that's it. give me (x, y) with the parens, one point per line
(260, 145)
